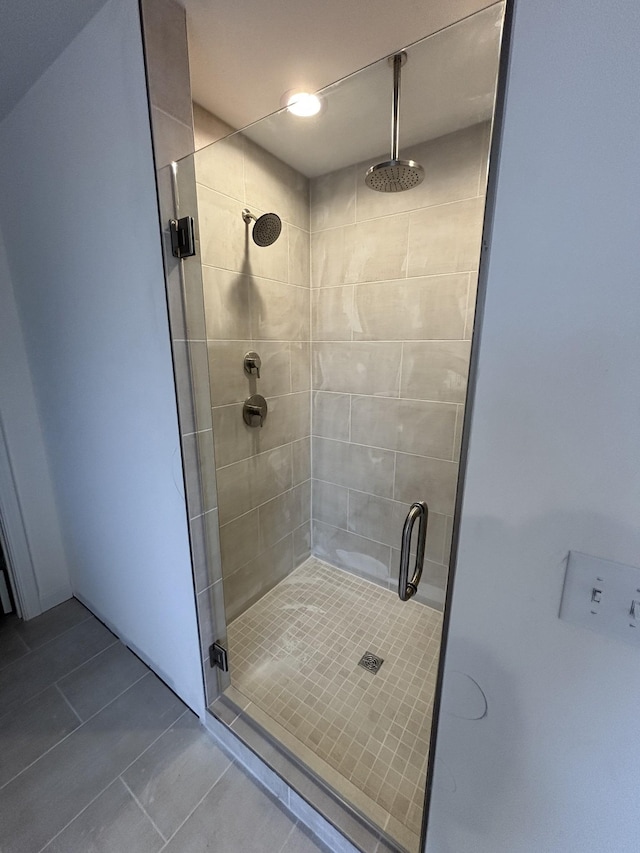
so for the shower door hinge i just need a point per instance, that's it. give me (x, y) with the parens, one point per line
(218, 657)
(183, 241)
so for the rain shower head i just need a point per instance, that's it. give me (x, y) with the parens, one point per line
(266, 229)
(394, 175)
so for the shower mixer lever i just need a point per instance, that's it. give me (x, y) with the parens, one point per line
(252, 364)
(254, 411)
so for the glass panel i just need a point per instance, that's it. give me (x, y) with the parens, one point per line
(338, 327)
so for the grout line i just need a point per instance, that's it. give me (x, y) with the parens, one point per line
(387, 280)
(12, 709)
(294, 824)
(144, 811)
(59, 689)
(270, 397)
(387, 450)
(57, 636)
(77, 729)
(393, 483)
(399, 213)
(264, 503)
(115, 779)
(232, 763)
(362, 341)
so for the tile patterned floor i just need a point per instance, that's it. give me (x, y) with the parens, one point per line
(97, 754)
(295, 655)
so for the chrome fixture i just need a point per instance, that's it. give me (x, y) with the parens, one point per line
(252, 364)
(255, 410)
(266, 229)
(371, 662)
(408, 588)
(395, 176)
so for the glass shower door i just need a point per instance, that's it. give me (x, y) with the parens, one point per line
(337, 326)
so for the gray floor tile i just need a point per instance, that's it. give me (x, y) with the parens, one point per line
(12, 647)
(8, 621)
(301, 842)
(26, 735)
(171, 778)
(90, 687)
(236, 815)
(26, 677)
(113, 823)
(37, 804)
(36, 632)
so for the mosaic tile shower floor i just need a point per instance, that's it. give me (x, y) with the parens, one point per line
(295, 655)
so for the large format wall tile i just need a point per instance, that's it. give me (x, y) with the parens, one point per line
(453, 165)
(433, 480)
(226, 304)
(279, 312)
(446, 238)
(251, 581)
(333, 200)
(357, 368)
(367, 469)
(349, 551)
(253, 481)
(330, 503)
(412, 426)
(435, 370)
(299, 257)
(229, 382)
(382, 520)
(239, 541)
(300, 366)
(374, 250)
(301, 460)
(282, 515)
(330, 415)
(429, 308)
(221, 166)
(272, 185)
(223, 234)
(332, 313)
(288, 421)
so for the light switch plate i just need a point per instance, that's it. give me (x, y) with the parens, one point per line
(600, 595)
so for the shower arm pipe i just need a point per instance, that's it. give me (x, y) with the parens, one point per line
(395, 119)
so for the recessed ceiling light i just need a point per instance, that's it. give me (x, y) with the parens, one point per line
(303, 104)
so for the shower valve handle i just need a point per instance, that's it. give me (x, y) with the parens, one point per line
(252, 364)
(254, 411)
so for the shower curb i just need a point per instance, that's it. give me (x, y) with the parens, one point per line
(296, 791)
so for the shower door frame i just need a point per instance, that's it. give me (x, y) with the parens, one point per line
(497, 131)
(259, 743)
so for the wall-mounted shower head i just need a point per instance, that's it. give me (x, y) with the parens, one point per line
(394, 175)
(266, 229)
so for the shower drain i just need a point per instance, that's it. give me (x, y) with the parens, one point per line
(370, 662)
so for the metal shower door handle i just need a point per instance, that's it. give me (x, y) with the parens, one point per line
(408, 588)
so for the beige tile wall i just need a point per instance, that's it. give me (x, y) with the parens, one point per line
(393, 292)
(256, 299)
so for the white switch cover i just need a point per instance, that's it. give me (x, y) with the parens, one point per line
(603, 596)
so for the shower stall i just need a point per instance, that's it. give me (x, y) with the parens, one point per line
(328, 321)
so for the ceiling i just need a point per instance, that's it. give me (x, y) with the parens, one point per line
(33, 34)
(245, 54)
(448, 83)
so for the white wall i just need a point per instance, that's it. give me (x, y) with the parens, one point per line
(27, 502)
(554, 456)
(79, 214)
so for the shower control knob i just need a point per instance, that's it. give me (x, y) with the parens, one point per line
(254, 411)
(252, 364)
